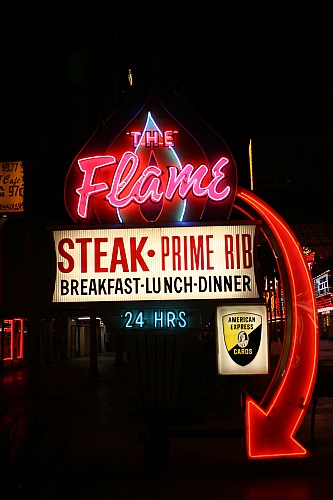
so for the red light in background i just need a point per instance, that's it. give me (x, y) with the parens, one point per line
(309, 257)
(13, 338)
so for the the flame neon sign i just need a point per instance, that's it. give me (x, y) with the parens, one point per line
(152, 170)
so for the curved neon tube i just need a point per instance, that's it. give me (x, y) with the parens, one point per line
(271, 429)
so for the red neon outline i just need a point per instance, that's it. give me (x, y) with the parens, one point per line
(270, 431)
(21, 338)
(11, 321)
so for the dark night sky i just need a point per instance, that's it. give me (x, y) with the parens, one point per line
(249, 70)
(264, 70)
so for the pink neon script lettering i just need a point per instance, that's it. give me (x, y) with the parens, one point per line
(148, 185)
(143, 189)
(187, 180)
(218, 177)
(89, 166)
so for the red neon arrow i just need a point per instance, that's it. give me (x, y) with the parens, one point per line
(271, 428)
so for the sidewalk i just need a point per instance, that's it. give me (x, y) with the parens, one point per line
(106, 459)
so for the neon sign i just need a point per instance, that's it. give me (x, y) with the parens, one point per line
(148, 185)
(152, 170)
(271, 426)
(157, 319)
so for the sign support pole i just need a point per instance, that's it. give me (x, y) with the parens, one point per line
(93, 363)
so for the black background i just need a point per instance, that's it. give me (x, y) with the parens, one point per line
(250, 70)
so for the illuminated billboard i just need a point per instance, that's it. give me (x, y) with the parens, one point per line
(242, 346)
(164, 263)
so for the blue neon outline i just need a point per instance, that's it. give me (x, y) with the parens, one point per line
(150, 118)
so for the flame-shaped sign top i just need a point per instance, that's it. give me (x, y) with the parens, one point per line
(151, 170)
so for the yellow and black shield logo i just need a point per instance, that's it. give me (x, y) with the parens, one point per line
(242, 336)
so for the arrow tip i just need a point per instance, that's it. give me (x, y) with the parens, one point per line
(268, 438)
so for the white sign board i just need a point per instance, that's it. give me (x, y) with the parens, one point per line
(155, 263)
